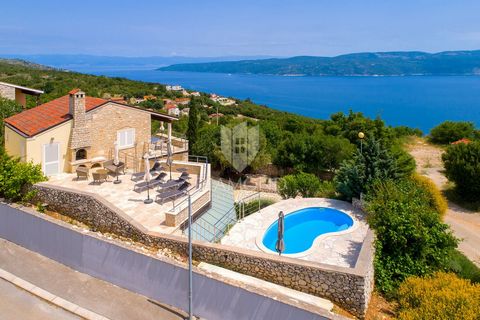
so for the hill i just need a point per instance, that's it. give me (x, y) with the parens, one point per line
(356, 64)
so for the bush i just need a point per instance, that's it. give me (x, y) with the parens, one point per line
(432, 194)
(450, 131)
(251, 207)
(411, 239)
(15, 176)
(462, 166)
(327, 190)
(305, 184)
(287, 186)
(440, 296)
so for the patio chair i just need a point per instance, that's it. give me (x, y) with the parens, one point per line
(172, 194)
(156, 168)
(113, 168)
(99, 177)
(82, 172)
(144, 185)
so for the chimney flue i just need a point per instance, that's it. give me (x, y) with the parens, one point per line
(80, 135)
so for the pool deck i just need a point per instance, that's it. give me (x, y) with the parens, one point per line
(335, 249)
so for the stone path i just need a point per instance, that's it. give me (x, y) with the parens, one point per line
(464, 223)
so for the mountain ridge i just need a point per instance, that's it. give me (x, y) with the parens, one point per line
(392, 63)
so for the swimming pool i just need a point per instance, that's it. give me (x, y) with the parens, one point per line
(303, 226)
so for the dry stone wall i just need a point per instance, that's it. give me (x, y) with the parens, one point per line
(348, 287)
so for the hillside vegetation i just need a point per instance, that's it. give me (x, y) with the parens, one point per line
(356, 64)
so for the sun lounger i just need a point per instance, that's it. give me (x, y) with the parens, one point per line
(172, 194)
(144, 185)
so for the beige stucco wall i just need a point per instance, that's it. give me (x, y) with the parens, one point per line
(103, 124)
(15, 144)
(59, 134)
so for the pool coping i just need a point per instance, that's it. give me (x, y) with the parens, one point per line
(260, 236)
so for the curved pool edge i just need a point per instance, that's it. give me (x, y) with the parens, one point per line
(260, 236)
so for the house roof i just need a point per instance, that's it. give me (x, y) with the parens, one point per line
(31, 91)
(48, 115)
(33, 121)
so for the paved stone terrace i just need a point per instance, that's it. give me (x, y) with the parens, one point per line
(151, 216)
(339, 250)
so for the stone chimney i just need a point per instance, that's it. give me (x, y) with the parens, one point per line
(80, 137)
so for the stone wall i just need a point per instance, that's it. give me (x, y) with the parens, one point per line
(7, 92)
(348, 287)
(103, 125)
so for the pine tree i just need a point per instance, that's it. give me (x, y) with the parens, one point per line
(192, 130)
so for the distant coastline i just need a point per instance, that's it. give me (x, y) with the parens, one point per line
(449, 63)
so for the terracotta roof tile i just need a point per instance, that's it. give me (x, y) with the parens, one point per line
(45, 116)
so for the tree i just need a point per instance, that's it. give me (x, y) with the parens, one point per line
(462, 166)
(450, 131)
(375, 162)
(193, 122)
(7, 108)
(410, 236)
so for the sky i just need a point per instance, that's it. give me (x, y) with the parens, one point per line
(208, 28)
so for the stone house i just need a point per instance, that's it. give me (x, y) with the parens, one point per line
(77, 130)
(17, 93)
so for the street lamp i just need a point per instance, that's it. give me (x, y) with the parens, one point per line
(361, 136)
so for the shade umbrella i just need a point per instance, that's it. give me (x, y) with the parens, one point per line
(280, 244)
(116, 160)
(170, 157)
(147, 178)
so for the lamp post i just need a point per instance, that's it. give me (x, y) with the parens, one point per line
(361, 136)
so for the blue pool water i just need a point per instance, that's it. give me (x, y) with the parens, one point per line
(303, 226)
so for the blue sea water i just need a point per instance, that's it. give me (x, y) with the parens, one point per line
(302, 227)
(416, 101)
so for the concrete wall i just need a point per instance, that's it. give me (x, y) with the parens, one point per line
(15, 144)
(161, 280)
(348, 287)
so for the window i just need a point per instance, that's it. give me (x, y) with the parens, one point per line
(126, 138)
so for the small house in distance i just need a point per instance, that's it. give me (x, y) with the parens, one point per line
(17, 93)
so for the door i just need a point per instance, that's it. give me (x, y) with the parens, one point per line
(51, 158)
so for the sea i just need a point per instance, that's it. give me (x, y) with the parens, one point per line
(415, 101)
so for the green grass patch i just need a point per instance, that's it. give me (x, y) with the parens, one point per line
(463, 267)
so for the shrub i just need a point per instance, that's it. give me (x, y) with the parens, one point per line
(252, 207)
(15, 176)
(307, 184)
(327, 190)
(432, 194)
(411, 239)
(287, 186)
(450, 131)
(462, 166)
(440, 296)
